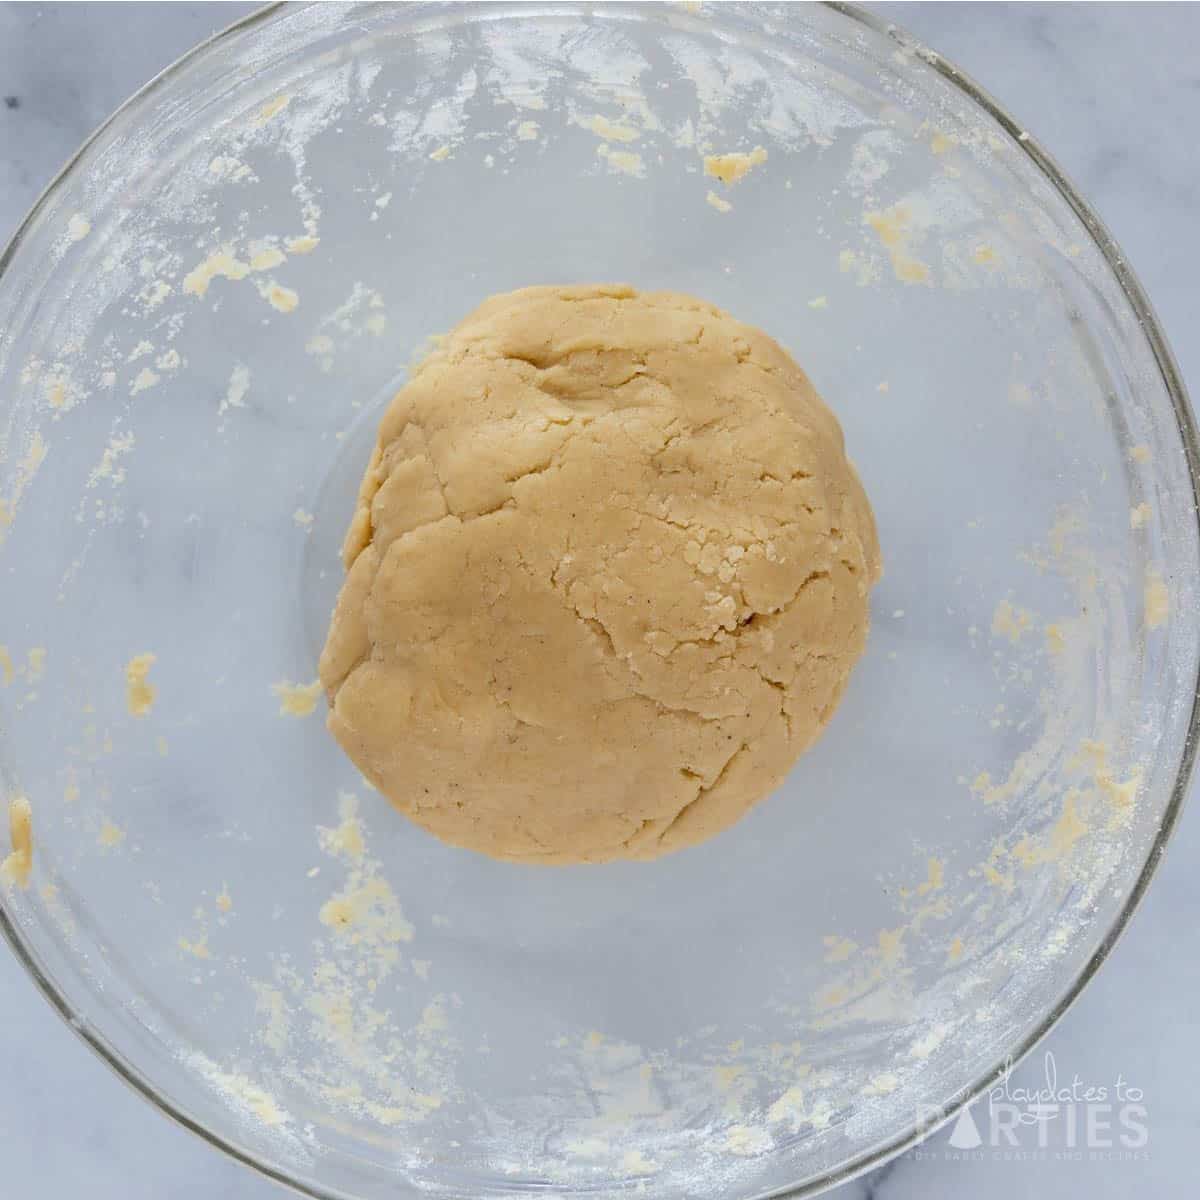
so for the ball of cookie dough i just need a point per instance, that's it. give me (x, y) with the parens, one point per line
(607, 578)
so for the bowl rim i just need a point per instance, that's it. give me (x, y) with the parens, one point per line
(1172, 380)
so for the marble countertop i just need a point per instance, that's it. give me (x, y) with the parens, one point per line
(1107, 90)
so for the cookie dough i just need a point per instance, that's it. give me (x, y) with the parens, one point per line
(607, 577)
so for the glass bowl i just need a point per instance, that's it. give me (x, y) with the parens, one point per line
(202, 319)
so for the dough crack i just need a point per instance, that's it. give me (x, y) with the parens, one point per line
(604, 638)
(702, 793)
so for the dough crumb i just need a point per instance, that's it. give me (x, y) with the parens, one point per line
(26, 469)
(35, 664)
(272, 108)
(282, 299)
(16, 867)
(881, 1085)
(863, 267)
(367, 912)
(305, 244)
(715, 201)
(1156, 599)
(893, 227)
(1010, 622)
(624, 162)
(613, 131)
(746, 1141)
(730, 168)
(143, 381)
(346, 838)
(197, 948)
(788, 1107)
(221, 264)
(110, 835)
(297, 699)
(936, 878)
(267, 258)
(238, 389)
(838, 949)
(241, 1091)
(1056, 639)
(139, 692)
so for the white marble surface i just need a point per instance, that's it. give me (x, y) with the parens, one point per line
(1114, 92)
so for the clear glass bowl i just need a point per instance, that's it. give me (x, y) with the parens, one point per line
(201, 320)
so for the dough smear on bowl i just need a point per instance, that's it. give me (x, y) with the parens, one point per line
(607, 578)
